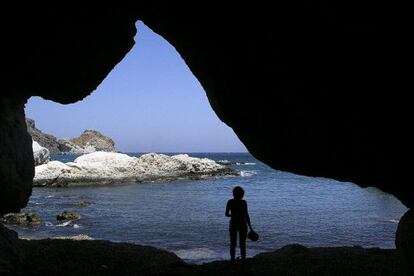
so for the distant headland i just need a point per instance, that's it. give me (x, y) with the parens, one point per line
(89, 141)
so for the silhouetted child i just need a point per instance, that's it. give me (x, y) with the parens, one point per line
(236, 209)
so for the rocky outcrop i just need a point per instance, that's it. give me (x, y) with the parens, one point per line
(89, 257)
(83, 256)
(16, 156)
(83, 203)
(404, 241)
(68, 215)
(40, 154)
(10, 253)
(45, 140)
(332, 116)
(27, 218)
(109, 168)
(89, 141)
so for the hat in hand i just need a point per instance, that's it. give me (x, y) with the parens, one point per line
(253, 236)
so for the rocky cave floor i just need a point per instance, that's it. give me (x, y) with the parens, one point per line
(68, 257)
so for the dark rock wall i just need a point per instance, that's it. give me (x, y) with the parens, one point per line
(404, 240)
(16, 156)
(10, 254)
(309, 87)
(62, 53)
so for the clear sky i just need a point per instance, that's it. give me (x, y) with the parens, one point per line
(150, 102)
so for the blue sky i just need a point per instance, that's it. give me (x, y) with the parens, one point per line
(149, 102)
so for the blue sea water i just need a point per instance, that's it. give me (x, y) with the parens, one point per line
(187, 217)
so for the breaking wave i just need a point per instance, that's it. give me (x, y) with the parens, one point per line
(247, 173)
(197, 253)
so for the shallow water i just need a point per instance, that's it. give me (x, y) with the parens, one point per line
(187, 217)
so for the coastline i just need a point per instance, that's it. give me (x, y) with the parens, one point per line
(100, 257)
(134, 213)
(104, 168)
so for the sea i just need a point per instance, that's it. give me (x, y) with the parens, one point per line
(187, 216)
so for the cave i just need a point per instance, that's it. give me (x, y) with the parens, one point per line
(313, 79)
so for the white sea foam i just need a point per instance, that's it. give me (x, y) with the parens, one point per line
(76, 226)
(66, 223)
(76, 238)
(48, 223)
(247, 173)
(197, 253)
(227, 162)
(394, 220)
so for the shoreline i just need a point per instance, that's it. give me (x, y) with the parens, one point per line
(199, 261)
(99, 257)
(108, 168)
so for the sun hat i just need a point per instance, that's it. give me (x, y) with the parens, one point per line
(253, 236)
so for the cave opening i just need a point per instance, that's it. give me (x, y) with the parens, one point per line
(182, 216)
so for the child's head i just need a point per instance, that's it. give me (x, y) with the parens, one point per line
(238, 192)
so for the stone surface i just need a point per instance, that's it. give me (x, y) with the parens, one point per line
(89, 141)
(94, 257)
(404, 241)
(83, 203)
(16, 156)
(313, 88)
(10, 253)
(318, 89)
(68, 215)
(116, 168)
(26, 218)
(45, 140)
(41, 155)
(44, 257)
(331, 99)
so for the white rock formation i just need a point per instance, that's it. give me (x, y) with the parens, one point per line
(75, 149)
(112, 168)
(89, 141)
(40, 154)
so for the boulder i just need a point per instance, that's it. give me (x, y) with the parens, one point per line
(404, 241)
(27, 218)
(68, 215)
(16, 157)
(10, 254)
(83, 203)
(41, 155)
(109, 168)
